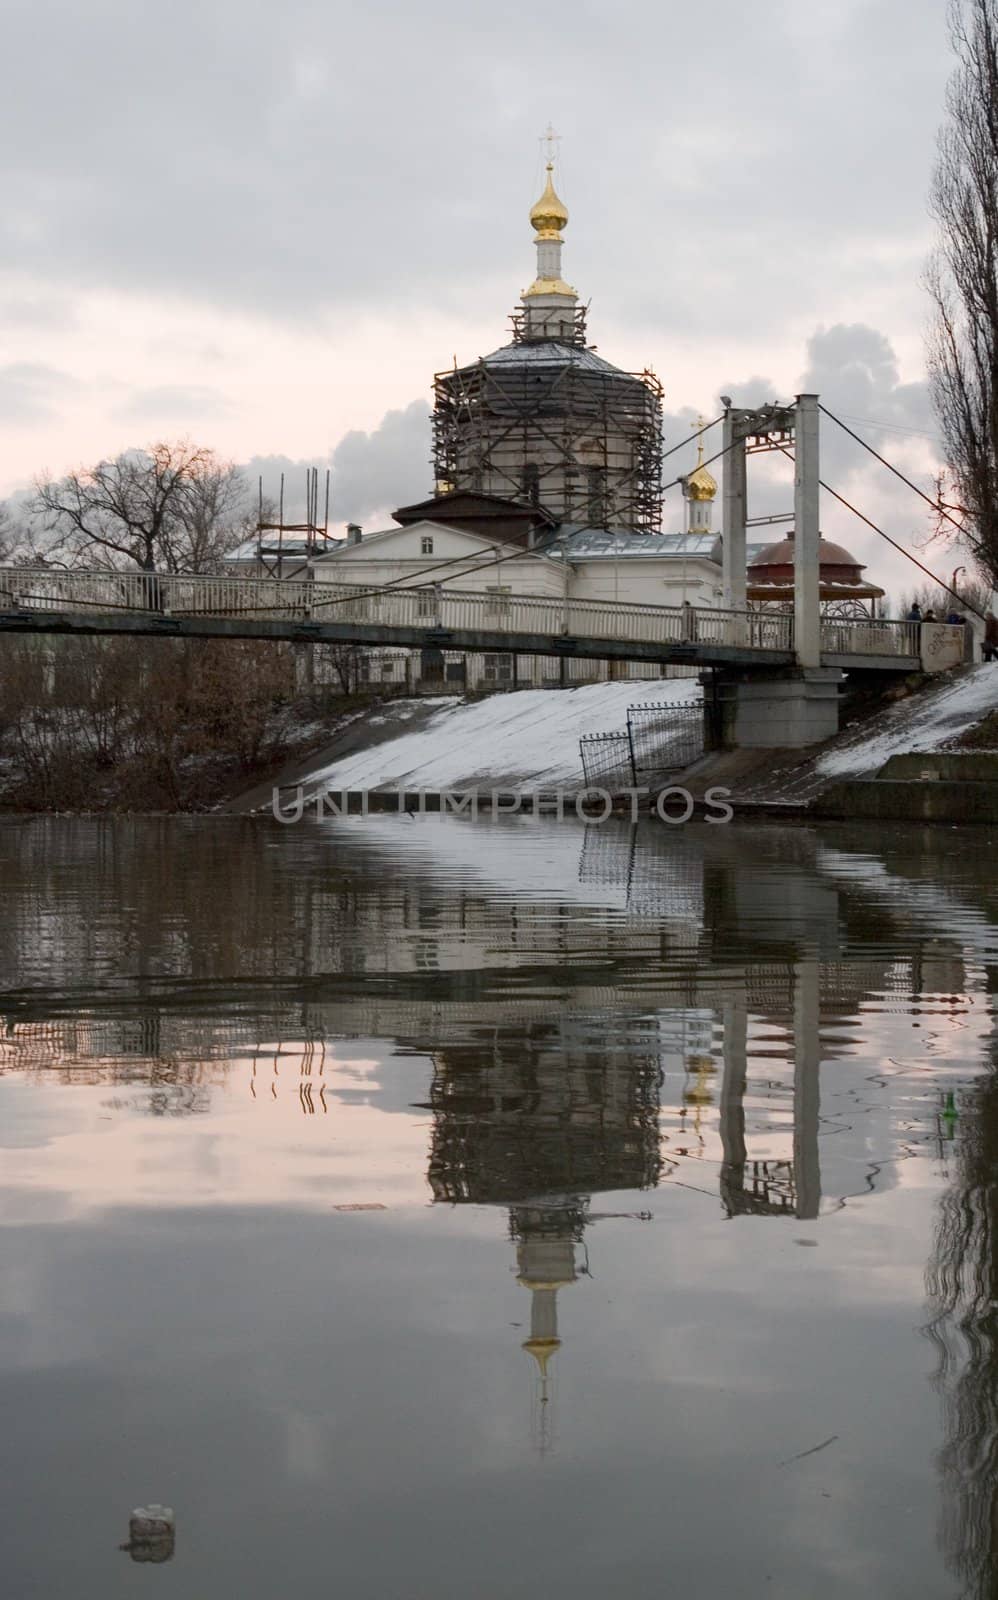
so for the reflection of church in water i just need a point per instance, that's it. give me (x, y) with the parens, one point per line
(524, 1123)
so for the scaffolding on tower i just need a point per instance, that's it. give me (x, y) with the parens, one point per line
(549, 422)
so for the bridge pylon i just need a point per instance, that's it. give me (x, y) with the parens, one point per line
(794, 706)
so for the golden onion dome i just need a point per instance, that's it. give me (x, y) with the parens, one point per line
(701, 484)
(549, 215)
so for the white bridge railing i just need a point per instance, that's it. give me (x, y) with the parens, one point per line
(451, 610)
(879, 637)
(443, 608)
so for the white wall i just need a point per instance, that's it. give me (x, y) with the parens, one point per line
(648, 580)
(461, 559)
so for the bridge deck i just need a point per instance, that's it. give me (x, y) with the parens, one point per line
(152, 604)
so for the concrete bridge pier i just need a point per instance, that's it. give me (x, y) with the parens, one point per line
(786, 709)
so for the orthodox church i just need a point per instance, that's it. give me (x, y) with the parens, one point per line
(546, 420)
(548, 480)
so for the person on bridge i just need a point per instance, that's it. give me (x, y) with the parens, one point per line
(915, 614)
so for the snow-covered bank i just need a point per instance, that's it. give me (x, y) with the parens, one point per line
(529, 737)
(928, 721)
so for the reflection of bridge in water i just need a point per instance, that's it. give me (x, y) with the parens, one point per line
(700, 943)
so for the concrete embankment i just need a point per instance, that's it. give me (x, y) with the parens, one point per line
(924, 756)
(941, 786)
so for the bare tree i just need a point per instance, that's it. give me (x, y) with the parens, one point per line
(974, 596)
(8, 533)
(963, 276)
(171, 507)
(212, 514)
(17, 539)
(345, 660)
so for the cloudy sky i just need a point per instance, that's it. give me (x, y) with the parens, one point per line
(266, 228)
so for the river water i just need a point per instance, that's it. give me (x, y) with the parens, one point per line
(424, 1208)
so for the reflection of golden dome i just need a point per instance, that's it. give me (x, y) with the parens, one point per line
(699, 1092)
(701, 484)
(549, 215)
(542, 1350)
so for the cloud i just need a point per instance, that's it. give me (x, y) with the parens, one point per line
(170, 404)
(37, 310)
(384, 468)
(854, 370)
(370, 473)
(288, 215)
(242, 165)
(30, 393)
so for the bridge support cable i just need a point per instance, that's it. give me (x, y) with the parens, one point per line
(935, 505)
(941, 582)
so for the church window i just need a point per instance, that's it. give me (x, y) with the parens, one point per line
(426, 545)
(597, 496)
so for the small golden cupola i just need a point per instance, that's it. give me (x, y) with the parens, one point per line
(701, 491)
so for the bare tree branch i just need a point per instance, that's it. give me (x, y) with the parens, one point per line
(962, 276)
(174, 508)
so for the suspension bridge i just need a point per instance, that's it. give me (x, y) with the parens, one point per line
(157, 605)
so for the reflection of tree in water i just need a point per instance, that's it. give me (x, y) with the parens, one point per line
(962, 1282)
(119, 1052)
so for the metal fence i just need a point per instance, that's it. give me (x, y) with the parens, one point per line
(659, 740)
(606, 761)
(664, 739)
